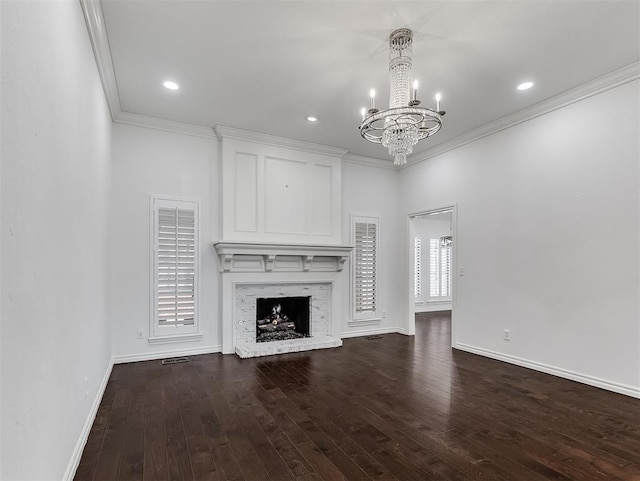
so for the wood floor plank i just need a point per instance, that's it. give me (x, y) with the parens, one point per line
(381, 408)
(110, 455)
(280, 473)
(225, 460)
(359, 456)
(178, 461)
(155, 454)
(202, 463)
(265, 451)
(132, 468)
(319, 461)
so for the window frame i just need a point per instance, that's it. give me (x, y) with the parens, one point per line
(165, 334)
(374, 314)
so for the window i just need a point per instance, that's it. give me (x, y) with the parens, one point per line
(440, 268)
(175, 269)
(417, 272)
(445, 266)
(365, 267)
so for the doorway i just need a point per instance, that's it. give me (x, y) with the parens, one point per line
(432, 246)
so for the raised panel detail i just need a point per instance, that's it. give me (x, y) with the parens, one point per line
(279, 190)
(245, 213)
(246, 192)
(285, 196)
(321, 202)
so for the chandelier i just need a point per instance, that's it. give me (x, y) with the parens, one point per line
(404, 123)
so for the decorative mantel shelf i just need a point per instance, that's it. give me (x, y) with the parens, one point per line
(261, 257)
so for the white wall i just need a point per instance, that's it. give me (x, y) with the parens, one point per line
(145, 162)
(374, 191)
(429, 228)
(548, 234)
(2, 151)
(55, 180)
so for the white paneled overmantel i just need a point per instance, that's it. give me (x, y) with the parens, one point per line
(279, 190)
(278, 257)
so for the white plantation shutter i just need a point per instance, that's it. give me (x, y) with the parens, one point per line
(365, 272)
(445, 270)
(434, 267)
(417, 272)
(439, 270)
(175, 267)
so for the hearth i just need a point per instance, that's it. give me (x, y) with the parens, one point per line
(282, 318)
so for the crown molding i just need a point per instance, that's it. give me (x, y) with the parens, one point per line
(94, 18)
(247, 135)
(588, 89)
(166, 125)
(350, 158)
(96, 27)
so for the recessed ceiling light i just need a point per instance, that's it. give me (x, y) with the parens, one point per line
(171, 85)
(312, 118)
(525, 86)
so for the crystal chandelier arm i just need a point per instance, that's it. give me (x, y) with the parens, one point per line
(427, 122)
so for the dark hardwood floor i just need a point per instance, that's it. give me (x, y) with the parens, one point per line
(388, 407)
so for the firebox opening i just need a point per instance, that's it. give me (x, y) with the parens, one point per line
(281, 318)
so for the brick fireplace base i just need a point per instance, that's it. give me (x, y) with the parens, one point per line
(257, 349)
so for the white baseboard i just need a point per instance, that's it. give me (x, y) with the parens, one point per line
(86, 428)
(555, 371)
(151, 356)
(372, 332)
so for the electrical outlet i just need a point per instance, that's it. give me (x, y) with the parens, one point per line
(140, 334)
(461, 271)
(507, 335)
(384, 314)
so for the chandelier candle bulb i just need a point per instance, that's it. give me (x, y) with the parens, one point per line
(438, 97)
(363, 112)
(372, 94)
(415, 90)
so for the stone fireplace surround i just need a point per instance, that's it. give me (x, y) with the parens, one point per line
(251, 270)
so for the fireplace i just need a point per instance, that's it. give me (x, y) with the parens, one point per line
(298, 286)
(282, 318)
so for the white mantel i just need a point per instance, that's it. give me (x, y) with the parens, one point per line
(240, 256)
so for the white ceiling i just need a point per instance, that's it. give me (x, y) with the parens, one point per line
(265, 65)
